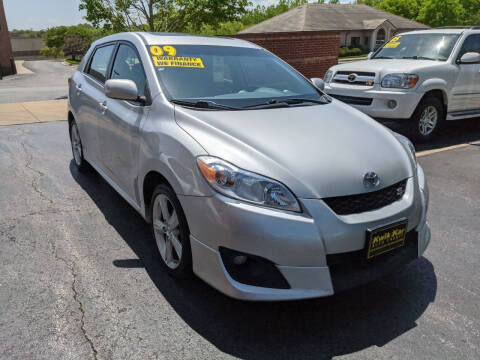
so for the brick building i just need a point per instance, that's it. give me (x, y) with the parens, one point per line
(309, 36)
(312, 53)
(7, 65)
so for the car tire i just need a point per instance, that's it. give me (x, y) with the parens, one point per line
(427, 120)
(170, 232)
(77, 149)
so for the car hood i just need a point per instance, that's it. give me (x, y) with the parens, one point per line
(317, 151)
(387, 66)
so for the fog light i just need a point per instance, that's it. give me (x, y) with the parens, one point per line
(392, 104)
(240, 260)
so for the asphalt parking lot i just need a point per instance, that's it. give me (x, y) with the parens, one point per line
(81, 277)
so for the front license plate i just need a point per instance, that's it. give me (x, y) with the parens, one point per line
(386, 238)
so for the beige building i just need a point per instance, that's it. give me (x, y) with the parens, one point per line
(359, 25)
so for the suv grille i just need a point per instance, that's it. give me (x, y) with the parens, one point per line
(355, 204)
(355, 78)
(353, 99)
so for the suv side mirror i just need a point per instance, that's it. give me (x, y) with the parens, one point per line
(469, 58)
(121, 89)
(319, 83)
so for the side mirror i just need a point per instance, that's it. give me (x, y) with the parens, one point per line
(370, 54)
(319, 83)
(121, 89)
(470, 58)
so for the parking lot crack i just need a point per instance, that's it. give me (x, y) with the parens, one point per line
(76, 298)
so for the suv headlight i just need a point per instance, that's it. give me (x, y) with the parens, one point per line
(243, 185)
(399, 81)
(407, 144)
(328, 76)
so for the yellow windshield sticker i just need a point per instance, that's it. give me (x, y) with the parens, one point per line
(166, 56)
(392, 44)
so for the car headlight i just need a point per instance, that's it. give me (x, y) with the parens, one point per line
(328, 76)
(407, 144)
(399, 81)
(243, 185)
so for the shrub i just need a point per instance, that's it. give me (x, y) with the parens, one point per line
(51, 52)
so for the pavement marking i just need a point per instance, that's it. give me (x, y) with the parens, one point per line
(446, 148)
(21, 70)
(32, 112)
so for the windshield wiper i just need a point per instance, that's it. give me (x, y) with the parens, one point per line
(303, 100)
(418, 58)
(382, 57)
(203, 104)
(274, 103)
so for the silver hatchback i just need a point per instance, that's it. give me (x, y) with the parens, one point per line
(250, 176)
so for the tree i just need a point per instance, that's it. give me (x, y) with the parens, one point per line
(75, 45)
(161, 15)
(442, 13)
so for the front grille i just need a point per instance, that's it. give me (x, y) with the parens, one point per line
(353, 269)
(353, 100)
(359, 78)
(355, 204)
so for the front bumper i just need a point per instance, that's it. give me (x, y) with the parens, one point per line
(407, 101)
(298, 244)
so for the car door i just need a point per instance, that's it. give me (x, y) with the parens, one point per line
(123, 120)
(466, 91)
(91, 94)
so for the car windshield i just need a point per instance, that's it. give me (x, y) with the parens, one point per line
(225, 77)
(419, 46)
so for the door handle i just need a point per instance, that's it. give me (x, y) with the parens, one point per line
(79, 88)
(103, 107)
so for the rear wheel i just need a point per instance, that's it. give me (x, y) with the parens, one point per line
(171, 233)
(427, 119)
(77, 148)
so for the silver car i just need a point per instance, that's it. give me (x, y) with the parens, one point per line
(250, 176)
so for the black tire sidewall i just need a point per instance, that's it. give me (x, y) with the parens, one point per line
(83, 167)
(415, 120)
(184, 269)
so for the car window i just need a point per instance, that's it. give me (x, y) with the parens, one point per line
(422, 46)
(100, 61)
(231, 76)
(127, 65)
(471, 44)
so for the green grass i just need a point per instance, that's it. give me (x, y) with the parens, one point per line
(72, 62)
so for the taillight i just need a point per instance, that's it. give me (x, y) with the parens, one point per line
(69, 81)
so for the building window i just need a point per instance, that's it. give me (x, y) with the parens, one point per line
(355, 41)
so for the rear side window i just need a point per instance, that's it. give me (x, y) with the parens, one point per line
(100, 61)
(471, 44)
(127, 66)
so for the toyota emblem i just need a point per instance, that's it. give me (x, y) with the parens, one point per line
(371, 180)
(352, 77)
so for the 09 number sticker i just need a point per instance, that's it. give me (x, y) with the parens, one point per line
(166, 56)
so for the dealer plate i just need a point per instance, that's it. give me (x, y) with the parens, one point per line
(386, 238)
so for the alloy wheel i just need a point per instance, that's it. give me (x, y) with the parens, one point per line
(428, 120)
(76, 145)
(167, 231)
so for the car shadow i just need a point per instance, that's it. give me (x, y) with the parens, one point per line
(371, 315)
(453, 133)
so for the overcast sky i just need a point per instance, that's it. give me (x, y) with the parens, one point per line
(41, 14)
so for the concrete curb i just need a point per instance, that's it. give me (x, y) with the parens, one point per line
(33, 112)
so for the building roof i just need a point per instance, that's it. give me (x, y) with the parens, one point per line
(327, 17)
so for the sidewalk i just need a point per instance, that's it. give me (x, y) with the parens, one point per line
(32, 112)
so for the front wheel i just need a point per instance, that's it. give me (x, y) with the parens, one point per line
(427, 119)
(171, 233)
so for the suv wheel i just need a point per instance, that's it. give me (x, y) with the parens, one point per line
(427, 118)
(171, 233)
(77, 148)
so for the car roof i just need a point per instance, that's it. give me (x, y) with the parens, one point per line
(437, 31)
(155, 38)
